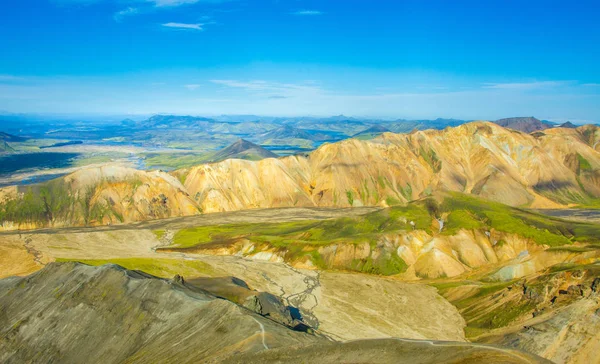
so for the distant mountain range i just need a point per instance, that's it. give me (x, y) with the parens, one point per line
(203, 135)
(287, 131)
(172, 121)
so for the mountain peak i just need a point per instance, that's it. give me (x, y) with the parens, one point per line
(371, 132)
(243, 149)
(527, 124)
(241, 145)
(568, 125)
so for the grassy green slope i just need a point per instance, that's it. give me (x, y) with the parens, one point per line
(461, 211)
(161, 267)
(350, 230)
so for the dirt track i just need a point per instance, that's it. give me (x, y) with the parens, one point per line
(583, 215)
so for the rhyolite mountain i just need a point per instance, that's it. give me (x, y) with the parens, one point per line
(550, 170)
(555, 168)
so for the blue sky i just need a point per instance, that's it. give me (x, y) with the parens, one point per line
(393, 59)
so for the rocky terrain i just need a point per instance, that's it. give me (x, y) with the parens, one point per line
(491, 298)
(553, 313)
(390, 351)
(382, 307)
(72, 313)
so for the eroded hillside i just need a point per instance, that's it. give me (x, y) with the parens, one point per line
(73, 313)
(551, 169)
(480, 158)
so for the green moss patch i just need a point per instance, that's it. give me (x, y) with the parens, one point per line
(471, 212)
(584, 164)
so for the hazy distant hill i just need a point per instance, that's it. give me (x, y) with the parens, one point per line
(406, 126)
(524, 124)
(288, 135)
(11, 138)
(175, 121)
(568, 125)
(4, 138)
(4, 147)
(243, 149)
(287, 131)
(371, 132)
(341, 124)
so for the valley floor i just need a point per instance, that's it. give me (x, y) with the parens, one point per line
(337, 304)
(340, 305)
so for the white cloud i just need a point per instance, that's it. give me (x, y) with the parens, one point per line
(260, 85)
(250, 85)
(308, 12)
(80, 94)
(119, 15)
(157, 3)
(184, 26)
(273, 90)
(526, 85)
(192, 87)
(75, 2)
(167, 3)
(591, 84)
(172, 2)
